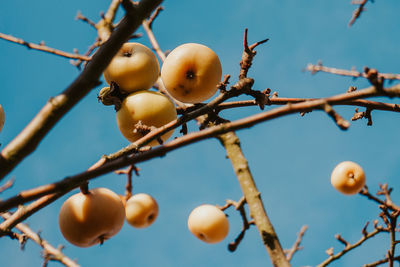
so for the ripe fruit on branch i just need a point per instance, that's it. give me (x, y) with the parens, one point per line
(141, 210)
(2, 117)
(133, 68)
(348, 177)
(89, 219)
(191, 73)
(208, 223)
(145, 109)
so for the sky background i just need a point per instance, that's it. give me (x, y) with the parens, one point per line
(291, 158)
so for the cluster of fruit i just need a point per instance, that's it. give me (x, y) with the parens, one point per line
(190, 74)
(92, 218)
(89, 219)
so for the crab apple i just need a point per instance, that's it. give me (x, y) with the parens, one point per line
(2, 117)
(150, 109)
(348, 178)
(89, 219)
(133, 68)
(141, 210)
(208, 223)
(191, 73)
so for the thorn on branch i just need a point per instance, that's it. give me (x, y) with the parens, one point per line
(374, 78)
(154, 16)
(342, 240)
(329, 251)
(222, 85)
(81, 17)
(359, 115)
(351, 89)
(296, 246)
(340, 121)
(7, 185)
(248, 55)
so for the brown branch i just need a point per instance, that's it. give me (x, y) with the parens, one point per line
(372, 105)
(351, 73)
(24, 212)
(124, 157)
(270, 239)
(81, 17)
(7, 185)
(379, 262)
(27, 141)
(296, 246)
(43, 48)
(128, 173)
(358, 11)
(349, 247)
(154, 16)
(49, 251)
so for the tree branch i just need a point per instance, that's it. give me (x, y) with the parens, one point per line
(49, 252)
(27, 141)
(43, 48)
(270, 239)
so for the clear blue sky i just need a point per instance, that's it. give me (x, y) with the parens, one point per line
(291, 158)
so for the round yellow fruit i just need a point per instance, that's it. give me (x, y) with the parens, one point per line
(208, 223)
(133, 68)
(348, 178)
(89, 219)
(2, 117)
(141, 210)
(191, 73)
(150, 108)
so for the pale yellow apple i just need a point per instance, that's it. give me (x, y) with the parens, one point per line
(141, 210)
(89, 219)
(148, 107)
(191, 73)
(133, 68)
(208, 223)
(348, 178)
(2, 118)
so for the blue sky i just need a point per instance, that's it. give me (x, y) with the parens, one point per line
(291, 158)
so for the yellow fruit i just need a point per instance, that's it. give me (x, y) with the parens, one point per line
(141, 210)
(208, 223)
(133, 68)
(348, 178)
(150, 108)
(89, 219)
(191, 73)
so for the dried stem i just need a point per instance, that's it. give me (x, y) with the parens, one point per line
(358, 11)
(41, 47)
(349, 247)
(296, 246)
(49, 252)
(350, 73)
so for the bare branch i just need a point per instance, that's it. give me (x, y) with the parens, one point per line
(49, 251)
(296, 246)
(350, 73)
(42, 47)
(27, 141)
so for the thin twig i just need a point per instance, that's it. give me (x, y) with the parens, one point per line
(350, 73)
(49, 251)
(296, 246)
(41, 47)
